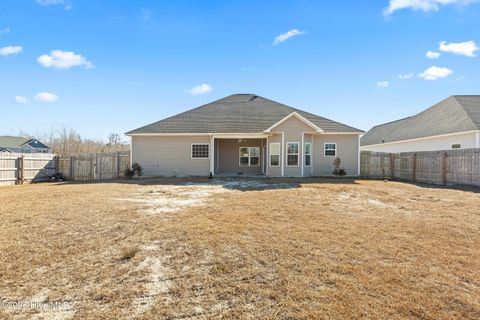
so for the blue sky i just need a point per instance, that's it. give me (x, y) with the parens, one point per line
(111, 66)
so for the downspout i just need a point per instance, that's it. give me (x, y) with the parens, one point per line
(212, 155)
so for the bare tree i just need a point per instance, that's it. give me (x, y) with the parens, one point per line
(67, 141)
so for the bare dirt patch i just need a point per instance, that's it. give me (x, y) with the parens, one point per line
(241, 249)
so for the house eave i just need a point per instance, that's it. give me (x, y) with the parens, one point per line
(218, 135)
(419, 139)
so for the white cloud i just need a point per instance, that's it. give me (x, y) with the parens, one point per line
(423, 5)
(432, 54)
(287, 35)
(200, 89)
(20, 100)
(67, 4)
(383, 84)
(63, 60)
(406, 76)
(435, 73)
(45, 97)
(467, 48)
(6, 51)
(5, 30)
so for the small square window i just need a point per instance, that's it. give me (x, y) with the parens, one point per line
(456, 146)
(200, 151)
(330, 149)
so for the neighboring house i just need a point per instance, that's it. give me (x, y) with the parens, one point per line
(22, 145)
(453, 123)
(245, 134)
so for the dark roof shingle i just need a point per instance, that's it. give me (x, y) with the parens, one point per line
(238, 113)
(452, 115)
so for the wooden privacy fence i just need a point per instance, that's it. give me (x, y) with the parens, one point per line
(25, 167)
(17, 168)
(460, 166)
(94, 166)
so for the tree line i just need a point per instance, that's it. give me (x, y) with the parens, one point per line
(67, 141)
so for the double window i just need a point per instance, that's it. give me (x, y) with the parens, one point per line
(330, 150)
(249, 156)
(292, 154)
(275, 154)
(308, 154)
(200, 150)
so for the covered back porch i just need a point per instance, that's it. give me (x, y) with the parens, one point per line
(239, 155)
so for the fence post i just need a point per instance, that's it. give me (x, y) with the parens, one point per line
(56, 162)
(118, 165)
(22, 168)
(444, 167)
(392, 165)
(72, 170)
(414, 168)
(92, 168)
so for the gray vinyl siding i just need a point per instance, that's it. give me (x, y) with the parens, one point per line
(169, 155)
(229, 156)
(292, 129)
(466, 140)
(347, 151)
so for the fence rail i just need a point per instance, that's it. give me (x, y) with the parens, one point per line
(17, 168)
(436, 167)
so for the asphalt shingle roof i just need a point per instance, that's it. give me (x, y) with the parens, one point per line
(238, 113)
(452, 115)
(12, 142)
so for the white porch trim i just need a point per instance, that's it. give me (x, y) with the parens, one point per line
(283, 153)
(303, 153)
(212, 155)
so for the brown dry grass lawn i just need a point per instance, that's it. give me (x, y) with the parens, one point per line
(260, 249)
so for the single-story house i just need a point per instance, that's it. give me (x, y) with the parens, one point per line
(245, 134)
(22, 145)
(453, 123)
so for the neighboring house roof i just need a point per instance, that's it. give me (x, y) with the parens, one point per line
(16, 142)
(238, 113)
(452, 115)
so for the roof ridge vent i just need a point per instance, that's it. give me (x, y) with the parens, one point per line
(253, 98)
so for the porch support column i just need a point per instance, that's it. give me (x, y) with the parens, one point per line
(302, 158)
(477, 139)
(212, 154)
(283, 154)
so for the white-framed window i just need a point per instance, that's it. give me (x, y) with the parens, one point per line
(249, 156)
(456, 146)
(308, 154)
(292, 154)
(200, 150)
(330, 149)
(275, 154)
